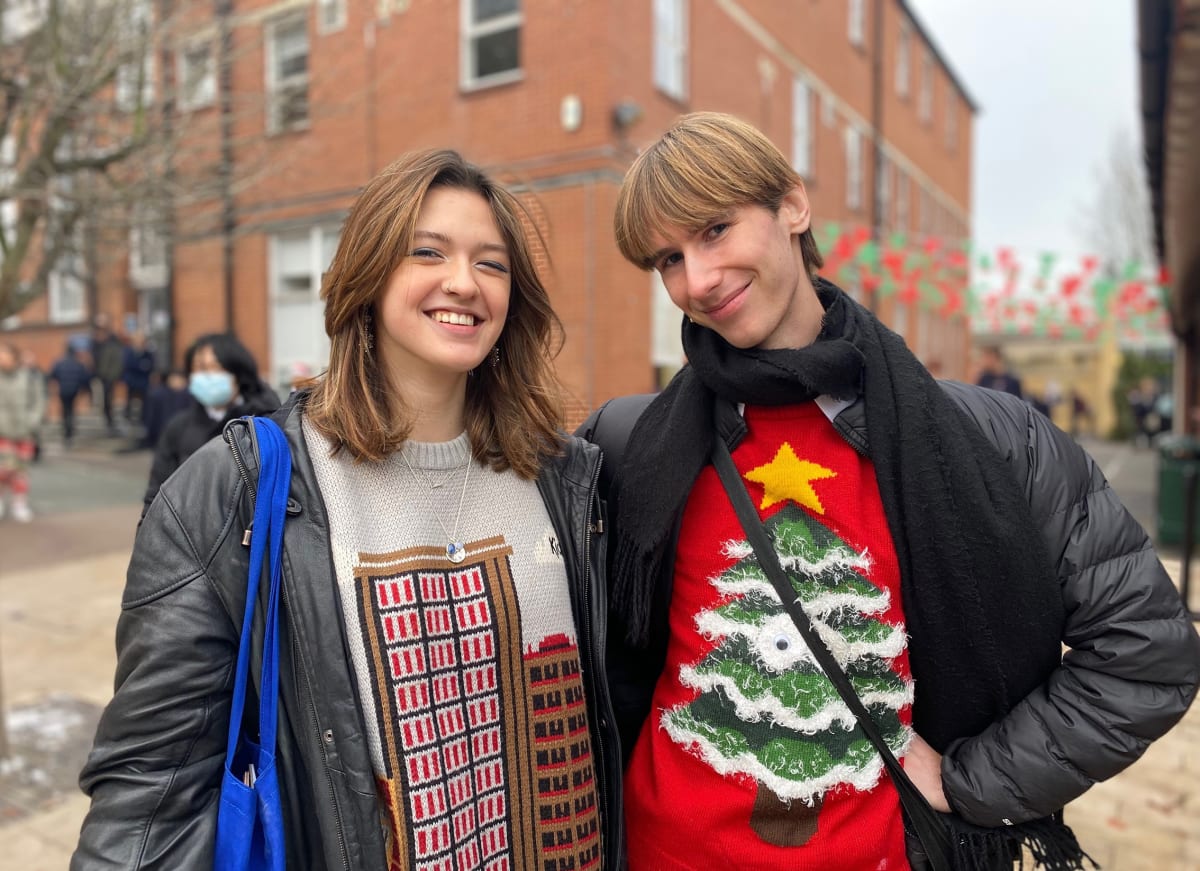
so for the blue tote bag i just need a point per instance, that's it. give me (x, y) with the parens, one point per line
(250, 818)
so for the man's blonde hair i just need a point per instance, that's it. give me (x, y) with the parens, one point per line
(700, 169)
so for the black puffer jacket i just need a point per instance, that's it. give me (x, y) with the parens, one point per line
(1133, 663)
(155, 769)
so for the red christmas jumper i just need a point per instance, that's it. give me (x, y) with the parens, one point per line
(749, 759)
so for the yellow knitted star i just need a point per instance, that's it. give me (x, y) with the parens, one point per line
(789, 477)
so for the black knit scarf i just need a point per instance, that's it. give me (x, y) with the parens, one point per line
(981, 602)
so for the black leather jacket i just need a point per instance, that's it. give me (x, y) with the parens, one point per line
(1133, 660)
(154, 771)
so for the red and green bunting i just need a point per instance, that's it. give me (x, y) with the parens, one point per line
(1002, 292)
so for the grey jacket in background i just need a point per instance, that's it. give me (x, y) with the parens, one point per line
(22, 403)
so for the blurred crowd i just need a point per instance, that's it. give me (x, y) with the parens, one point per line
(170, 411)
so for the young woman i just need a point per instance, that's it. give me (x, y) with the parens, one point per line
(442, 702)
(223, 380)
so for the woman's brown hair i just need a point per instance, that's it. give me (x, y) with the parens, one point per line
(705, 165)
(513, 409)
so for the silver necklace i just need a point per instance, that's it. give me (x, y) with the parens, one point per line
(456, 551)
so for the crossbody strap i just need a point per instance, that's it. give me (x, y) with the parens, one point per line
(924, 819)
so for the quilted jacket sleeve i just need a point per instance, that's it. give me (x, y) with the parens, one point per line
(1132, 659)
(154, 771)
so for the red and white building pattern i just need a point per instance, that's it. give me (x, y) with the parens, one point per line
(486, 746)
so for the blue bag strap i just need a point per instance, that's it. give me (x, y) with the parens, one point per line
(266, 539)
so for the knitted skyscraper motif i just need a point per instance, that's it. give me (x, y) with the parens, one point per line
(749, 743)
(469, 672)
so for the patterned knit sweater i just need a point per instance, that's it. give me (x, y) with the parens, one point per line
(468, 672)
(750, 759)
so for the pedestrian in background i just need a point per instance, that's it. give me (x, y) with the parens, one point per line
(108, 363)
(22, 404)
(945, 542)
(37, 382)
(995, 374)
(442, 700)
(224, 383)
(137, 366)
(71, 377)
(168, 396)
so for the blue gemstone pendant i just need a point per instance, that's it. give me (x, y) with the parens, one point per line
(456, 552)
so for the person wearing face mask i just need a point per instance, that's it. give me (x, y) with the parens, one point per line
(223, 380)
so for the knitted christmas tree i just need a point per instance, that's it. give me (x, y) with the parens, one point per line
(765, 707)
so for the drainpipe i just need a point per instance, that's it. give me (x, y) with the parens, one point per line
(223, 10)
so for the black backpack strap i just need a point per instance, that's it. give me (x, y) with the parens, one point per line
(609, 427)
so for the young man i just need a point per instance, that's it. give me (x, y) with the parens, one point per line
(944, 540)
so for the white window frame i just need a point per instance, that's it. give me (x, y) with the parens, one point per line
(21, 17)
(331, 16)
(856, 22)
(470, 32)
(854, 168)
(828, 109)
(66, 289)
(204, 91)
(279, 88)
(802, 127)
(904, 58)
(925, 98)
(279, 295)
(147, 251)
(8, 206)
(671, 48)
(136, 27)
(666, 350)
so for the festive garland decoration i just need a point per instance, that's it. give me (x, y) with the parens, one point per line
(1050, 295)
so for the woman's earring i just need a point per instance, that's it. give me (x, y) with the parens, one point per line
(367, 327)
(495, 355)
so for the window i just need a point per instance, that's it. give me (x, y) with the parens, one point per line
(670, 47)
(287, 74)
(331, 16)
(828, 109)
(8, 207)
(491, 50)
(147, 250)
(667, 343)
(903, 51)
(901, 201)
(854, 168)
(66, 286)
(134, 84)
(856, 21)
(925, 100)
(802, 139)
(951, 119)
(197, 76)
(20, 17)
(297, 261)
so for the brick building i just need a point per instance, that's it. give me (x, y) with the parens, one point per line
(303, 100)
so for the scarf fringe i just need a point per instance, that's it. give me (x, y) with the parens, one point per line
(634, 574)
(1050, 843)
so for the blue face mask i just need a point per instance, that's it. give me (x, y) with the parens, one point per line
(211, 389)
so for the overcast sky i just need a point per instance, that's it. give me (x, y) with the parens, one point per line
(1055, 81)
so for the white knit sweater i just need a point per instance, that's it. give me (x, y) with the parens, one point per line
(468, 673)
